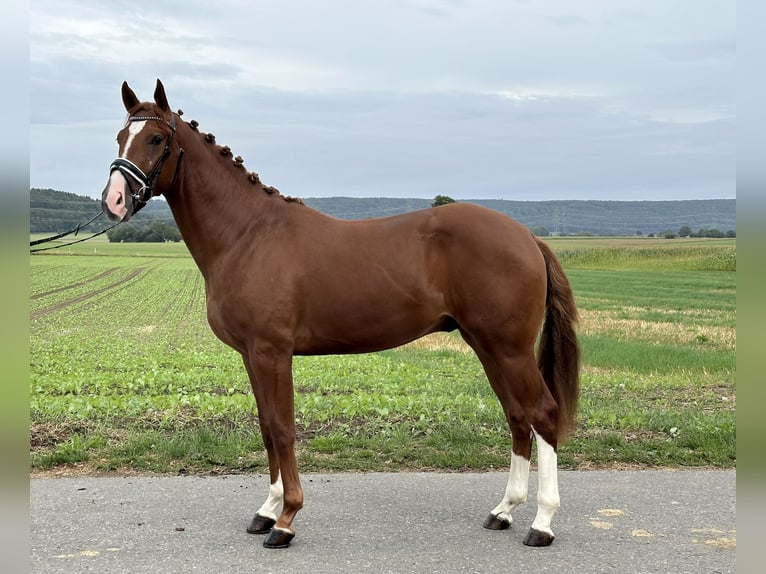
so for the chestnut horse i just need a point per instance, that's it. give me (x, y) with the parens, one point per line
(282, 279)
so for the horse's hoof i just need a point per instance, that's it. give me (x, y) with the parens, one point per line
(278, 539)
(260, 525)
(493, 522)
(538, 538)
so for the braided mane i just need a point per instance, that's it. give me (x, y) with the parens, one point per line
(239, 163)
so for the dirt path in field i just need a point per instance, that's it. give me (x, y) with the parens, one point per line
(88, 295)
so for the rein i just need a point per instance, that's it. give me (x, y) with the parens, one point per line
(131, 171)
(74, 230)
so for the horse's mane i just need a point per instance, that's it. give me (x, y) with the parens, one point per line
(239, 163)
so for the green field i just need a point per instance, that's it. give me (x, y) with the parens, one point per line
(126, 376)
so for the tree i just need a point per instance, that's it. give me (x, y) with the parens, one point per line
(442, 200)
(685, 231)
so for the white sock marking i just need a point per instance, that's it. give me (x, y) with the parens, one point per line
(516, 490)
(274, 501)
(548, 486)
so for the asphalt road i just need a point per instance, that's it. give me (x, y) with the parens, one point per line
(609, 521)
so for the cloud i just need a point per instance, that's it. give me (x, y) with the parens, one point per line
(403, 97)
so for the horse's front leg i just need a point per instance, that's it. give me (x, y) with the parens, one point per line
(266, 516)
(271, 372)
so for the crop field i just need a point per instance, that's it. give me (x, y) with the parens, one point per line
(126, 375)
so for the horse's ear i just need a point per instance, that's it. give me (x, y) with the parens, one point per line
(128, 97)
(160, 98)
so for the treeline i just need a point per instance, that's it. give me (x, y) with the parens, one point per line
(686, 231)
(667, 234)
(146, 232)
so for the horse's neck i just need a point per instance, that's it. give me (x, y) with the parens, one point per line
(213, 204)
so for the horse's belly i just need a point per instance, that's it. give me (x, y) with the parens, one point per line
(367, 334)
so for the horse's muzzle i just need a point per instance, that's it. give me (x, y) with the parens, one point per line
(116, 199)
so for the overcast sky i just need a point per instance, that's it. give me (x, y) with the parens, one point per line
(524, 99)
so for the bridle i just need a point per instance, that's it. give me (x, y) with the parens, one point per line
(132, 172)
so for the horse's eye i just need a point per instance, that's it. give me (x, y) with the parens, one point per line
(156, 140)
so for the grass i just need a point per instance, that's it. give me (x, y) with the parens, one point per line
(125, 374)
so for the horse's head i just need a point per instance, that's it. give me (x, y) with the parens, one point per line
(145, 143)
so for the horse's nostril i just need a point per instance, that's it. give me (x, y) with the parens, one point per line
(119, 200)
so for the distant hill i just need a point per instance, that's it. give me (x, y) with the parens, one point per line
(56, 211)
(621, 217)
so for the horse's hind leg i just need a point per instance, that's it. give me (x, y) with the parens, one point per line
(540, 534)
(530, 411)
(518, 478)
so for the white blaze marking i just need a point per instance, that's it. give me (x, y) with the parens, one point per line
(134, 128)
(548, 488)
(274, 500)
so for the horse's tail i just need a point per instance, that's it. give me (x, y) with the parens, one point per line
(558, 352)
